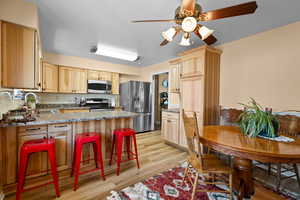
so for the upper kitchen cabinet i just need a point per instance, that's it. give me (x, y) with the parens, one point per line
(174, 76)
(50, 77)
(99, 75)
(93, 75)
(115, 83)
(200, 83)
(19, 57)
(193, 63)
(72, 80)
(105, 76)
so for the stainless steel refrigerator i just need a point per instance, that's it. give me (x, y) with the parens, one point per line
(135, 96)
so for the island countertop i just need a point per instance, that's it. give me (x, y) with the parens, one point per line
(56, 118)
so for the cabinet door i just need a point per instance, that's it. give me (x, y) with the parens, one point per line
(174, 77)
(115, 83)
(192, 67)
(66, 80)
(18, 56)
(79, 78)
(105, 76)
(50, 77)
(93, 75)
(63, 140)
(164, 124)
(37, 164)
(172, 131)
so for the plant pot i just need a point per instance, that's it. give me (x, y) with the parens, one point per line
(264, 133)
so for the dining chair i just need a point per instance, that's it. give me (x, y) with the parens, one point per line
(290, 127)
(203, 168)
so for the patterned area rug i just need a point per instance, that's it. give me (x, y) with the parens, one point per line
(168, 186)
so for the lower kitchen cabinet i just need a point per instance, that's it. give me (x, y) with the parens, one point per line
(63, 146)
(170, 127)
(37, 163)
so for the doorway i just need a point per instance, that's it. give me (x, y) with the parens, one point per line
(161, 86)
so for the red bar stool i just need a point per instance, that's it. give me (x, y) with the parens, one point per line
(118, 136)
(35, 146)
(80, 140)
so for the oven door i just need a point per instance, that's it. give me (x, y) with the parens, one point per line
(96, 86)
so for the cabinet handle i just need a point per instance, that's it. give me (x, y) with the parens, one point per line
(33, 129)
(169, 121)
(61, 126)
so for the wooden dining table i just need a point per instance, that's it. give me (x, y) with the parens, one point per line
(231, 141)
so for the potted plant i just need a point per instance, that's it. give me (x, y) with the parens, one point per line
(255, 121)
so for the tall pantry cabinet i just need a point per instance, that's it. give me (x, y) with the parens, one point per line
(199, 86)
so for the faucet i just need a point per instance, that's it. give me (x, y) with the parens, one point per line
(33, 94)
(8, 94)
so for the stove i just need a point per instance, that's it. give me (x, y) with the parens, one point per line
(98, 104)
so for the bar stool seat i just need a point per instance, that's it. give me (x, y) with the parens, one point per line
(34, 146)
(80, 140)
(118, 137)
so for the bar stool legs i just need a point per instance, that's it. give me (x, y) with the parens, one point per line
(35, 146)
(120, 136)
(87, 138)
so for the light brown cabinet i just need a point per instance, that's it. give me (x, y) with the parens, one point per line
(99, 75)
(37, 164)
(62, 133)
(199, 72)
(174, 76)
(115, 84)
(72, 80)
(50, 77)
(19, 55)
(170, 127)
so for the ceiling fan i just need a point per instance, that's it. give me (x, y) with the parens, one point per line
(190, 13)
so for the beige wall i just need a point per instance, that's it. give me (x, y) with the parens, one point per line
(19, 12)
(265, 66)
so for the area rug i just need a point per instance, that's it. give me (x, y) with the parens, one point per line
(168, 186)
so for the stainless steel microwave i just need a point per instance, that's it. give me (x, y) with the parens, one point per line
(100, 87)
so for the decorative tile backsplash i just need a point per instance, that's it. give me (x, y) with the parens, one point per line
(49, 98)
(7, 104)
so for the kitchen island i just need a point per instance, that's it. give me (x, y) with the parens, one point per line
(62, 127)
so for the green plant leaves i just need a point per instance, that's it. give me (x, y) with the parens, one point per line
(255, 121)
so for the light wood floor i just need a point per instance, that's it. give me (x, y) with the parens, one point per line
(155, 157)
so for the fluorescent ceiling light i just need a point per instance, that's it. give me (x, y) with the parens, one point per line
(114, 52)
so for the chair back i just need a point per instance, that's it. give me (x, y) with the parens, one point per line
(192, 137)
(289, 125)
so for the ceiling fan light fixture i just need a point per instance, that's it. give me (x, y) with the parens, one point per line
(185, 40)
(189, 24)
(169, 34)
(205, 32)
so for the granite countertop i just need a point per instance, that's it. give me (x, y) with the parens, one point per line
(43, 107)
(173, 110)
(44, 119)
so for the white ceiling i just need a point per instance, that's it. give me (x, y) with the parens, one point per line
(71, 27)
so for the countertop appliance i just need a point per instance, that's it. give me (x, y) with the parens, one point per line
(100, 87)
(135, 96)
(98, 104)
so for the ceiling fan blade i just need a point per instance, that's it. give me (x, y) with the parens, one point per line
(210, 40)
(163, 43)
(188, 7)
(156, 20)
(237, 10)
